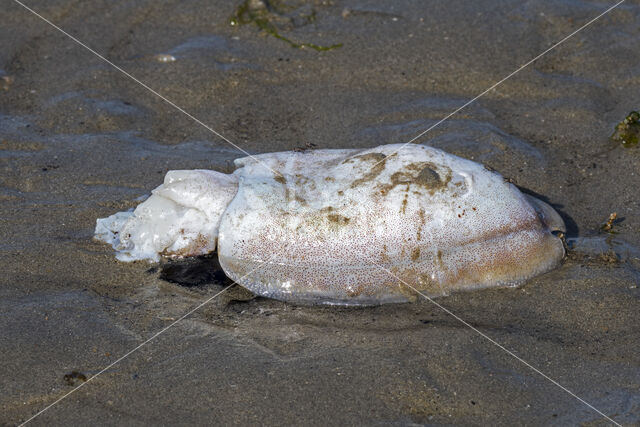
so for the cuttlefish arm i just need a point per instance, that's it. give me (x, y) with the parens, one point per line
(179, 219)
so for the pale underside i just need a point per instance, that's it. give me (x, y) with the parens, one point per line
(322, 226)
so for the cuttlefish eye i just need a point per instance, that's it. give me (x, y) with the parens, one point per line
(347, 226)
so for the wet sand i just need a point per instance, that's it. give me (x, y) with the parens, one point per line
(79, 141)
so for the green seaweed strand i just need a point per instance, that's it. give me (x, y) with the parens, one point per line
(245, 14)
(628, 131)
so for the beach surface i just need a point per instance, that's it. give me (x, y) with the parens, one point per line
(80, 140)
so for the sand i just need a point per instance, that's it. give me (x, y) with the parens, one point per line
(79, 141)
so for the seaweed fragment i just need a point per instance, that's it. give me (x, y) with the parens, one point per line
(613, 220)
(628, 131)
(266, 15)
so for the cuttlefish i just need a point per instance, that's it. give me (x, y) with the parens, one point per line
(352, 226)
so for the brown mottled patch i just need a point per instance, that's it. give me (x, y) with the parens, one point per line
(340, 193)
(369, 157)
(329, 178)
(379, 163)
(281, 179)
(421, 174)
(404, 204)
(369, 176)
(338, 219)
(301, 179)
(415, 254)
(429, 178)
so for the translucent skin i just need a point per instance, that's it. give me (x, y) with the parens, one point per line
(179, 219)
(325, 229)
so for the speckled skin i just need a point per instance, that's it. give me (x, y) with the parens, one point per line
(329, 220)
